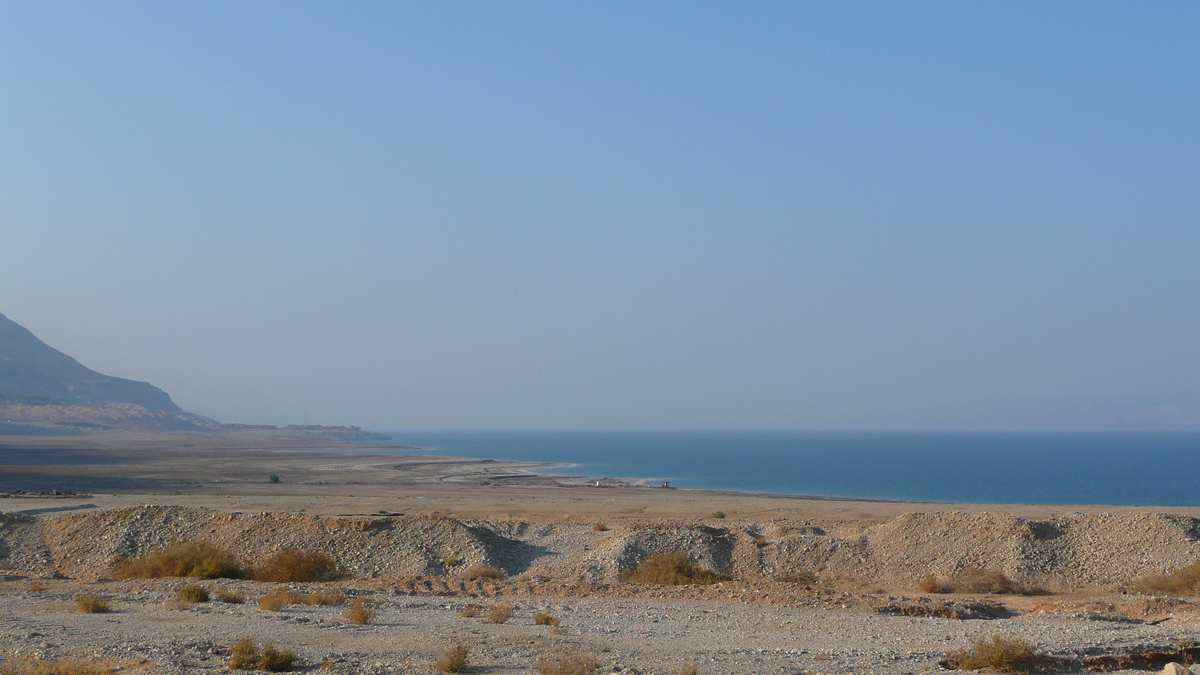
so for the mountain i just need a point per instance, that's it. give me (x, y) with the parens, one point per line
(32, 371)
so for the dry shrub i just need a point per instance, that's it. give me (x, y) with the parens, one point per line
(278, 599)
(276, 660)
(980, 581)
(469, 612)
(451, 561)
(483, 572)
(181, 559)
(92, 605)
(192, 593)
(760, 542)
(1183, 581)
(999, 654)
(690, 669)
(717, 514)
(673, 569)
(36, 587)
(543, 619)
(600, 527)
(977, 580)
(296, 565)
(930, 584)
(323, 598)
(567, 663)
(801, 577)
(243, 655)
(358, 613)
(499, 613)
(453, 661)
(230, 597)
(28, 666)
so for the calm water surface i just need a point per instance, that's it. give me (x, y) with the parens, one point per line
(1152, 469)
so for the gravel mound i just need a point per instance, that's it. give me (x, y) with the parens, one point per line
(1077, 550)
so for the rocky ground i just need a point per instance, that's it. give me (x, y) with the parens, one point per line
(1069, 553)
(818, 585)
(861, 614)
(407, 633)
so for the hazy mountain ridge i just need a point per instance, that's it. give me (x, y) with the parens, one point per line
(44, 390)
(32, 371)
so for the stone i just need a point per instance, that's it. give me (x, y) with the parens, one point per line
(1175, 669)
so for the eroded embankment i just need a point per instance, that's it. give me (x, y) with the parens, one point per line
(1079, 550)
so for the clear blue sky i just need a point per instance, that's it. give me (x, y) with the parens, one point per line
(613, 215)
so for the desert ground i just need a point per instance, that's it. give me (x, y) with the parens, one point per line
(815, 585)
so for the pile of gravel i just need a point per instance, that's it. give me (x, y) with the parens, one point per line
(1073, 551)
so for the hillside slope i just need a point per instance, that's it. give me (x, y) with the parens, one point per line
(33, 371)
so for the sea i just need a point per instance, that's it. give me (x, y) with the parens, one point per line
(1112, 468)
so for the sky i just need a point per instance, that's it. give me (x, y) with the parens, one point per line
(617, 215)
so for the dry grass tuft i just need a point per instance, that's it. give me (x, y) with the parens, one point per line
(802, 577)
(499, 613)
(451, 561)
(192, 593)
(543, 619)
(358, 613)
(469, 612)
(999, 654)
(976, 580)
(295, 565)
(28, 666)
(453, 661)
(92, 605)
(719, 515)
(36, 587)
(181, 559)
(231, 597)
(690, 669)
(930, 584)
(243, 655)
(761, 542)
(483, 572)
(1183, 581)
(567, 663)
(673, 569)
(275, 660)
(324, 598)
(279, 598)
(600, 527)
(980, 581)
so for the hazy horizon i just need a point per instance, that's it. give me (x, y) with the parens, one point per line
(854, 216)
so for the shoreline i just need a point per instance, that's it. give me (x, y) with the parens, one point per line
(232, 472)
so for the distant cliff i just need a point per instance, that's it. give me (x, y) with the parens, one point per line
(33, 372)
(45, 392)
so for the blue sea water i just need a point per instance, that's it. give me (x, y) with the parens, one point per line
(1115, 468)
